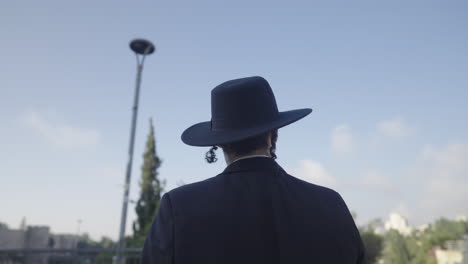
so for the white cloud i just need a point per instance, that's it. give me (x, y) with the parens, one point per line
(395, 127)
(313, 172)
(342, 140)
(444, 177)
(58, 133)
(434, 186)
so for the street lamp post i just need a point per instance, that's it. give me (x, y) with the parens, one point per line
(141, 47)
(79, 221)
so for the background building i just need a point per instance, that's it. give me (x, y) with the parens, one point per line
(398, 223)
(35, 237)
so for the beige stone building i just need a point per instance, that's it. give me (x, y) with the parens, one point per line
(35, 237)
(456, 252)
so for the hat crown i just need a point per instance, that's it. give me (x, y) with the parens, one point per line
(242, 103)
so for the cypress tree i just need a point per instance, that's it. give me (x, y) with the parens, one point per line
(151, 188)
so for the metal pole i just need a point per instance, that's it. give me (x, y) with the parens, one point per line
(123, 218)
(142, 47)
(78, 232)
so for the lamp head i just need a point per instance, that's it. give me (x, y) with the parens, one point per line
(142, 46)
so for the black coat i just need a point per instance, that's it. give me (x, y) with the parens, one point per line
(253, 212)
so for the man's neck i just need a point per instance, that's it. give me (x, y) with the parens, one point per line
(258, 153)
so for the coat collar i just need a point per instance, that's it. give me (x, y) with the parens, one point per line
(252, 164)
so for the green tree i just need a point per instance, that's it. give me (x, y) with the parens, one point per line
(418, 254)
(151, 188)
(395, 249)
(444, 229)
(3, 226)
(372, 241)
(436, 235)
(373, 244)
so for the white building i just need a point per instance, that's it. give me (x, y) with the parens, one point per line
(398, 223)
(448, 256)
(455, 252)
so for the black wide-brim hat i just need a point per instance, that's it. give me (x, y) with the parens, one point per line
(240, 109)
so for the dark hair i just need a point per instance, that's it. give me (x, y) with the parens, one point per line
(245, 146)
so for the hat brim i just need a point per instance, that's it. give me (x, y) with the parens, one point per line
(201, 135)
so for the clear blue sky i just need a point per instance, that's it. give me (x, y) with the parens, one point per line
(387, 82)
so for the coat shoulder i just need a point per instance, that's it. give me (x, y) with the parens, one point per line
(195, 188)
